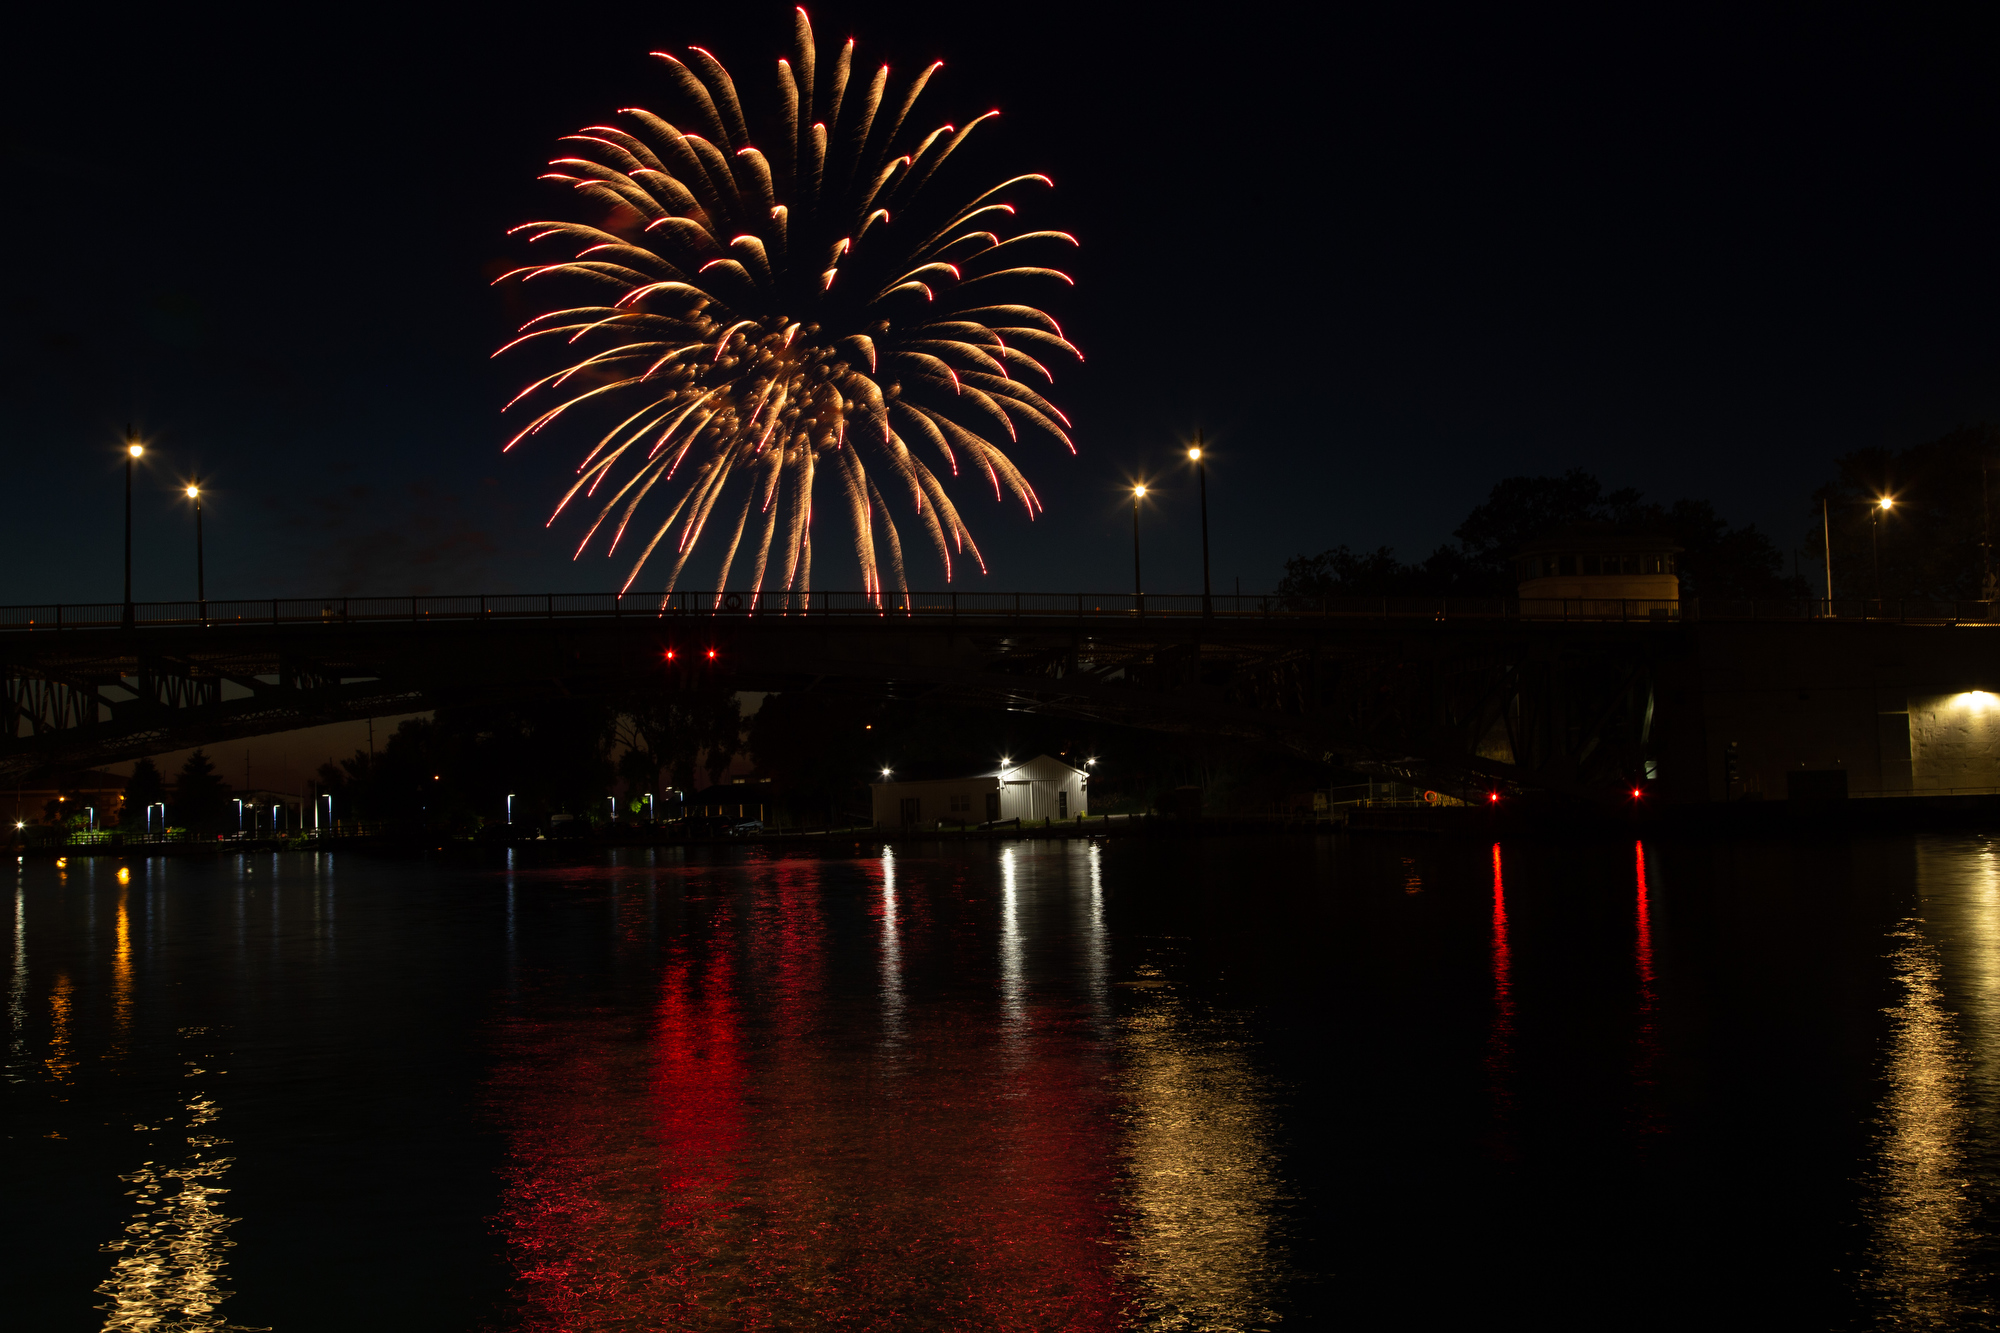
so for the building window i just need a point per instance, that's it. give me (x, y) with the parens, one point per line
(1566, 564)
(913, 810)
(961, 805)
(1062, 805)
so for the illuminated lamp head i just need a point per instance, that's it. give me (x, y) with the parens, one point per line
(1139, 491)
(1195, 453)
(135, 449)
(194, 492)
(1888, 502)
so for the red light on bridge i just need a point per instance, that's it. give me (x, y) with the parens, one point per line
(711, 654)
(670, 654)
(1493, 798)
(1635, 793)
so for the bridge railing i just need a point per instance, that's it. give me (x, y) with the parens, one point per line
(973, 604)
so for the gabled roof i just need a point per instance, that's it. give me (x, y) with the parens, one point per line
(950, 771)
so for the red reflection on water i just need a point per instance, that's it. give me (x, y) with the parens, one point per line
(754, 1158)
(1646, 1056)
(1644, 947)
(1500, 1033)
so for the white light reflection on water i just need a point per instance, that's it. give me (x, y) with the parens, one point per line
(17, 990)
(892, 953)
(1013, 1007)
(1203, 1180)
(1941, 1055)
(1096, 953)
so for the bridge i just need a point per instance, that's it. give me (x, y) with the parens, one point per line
(1577, 698)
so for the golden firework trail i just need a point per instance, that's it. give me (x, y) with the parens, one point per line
(761, 316)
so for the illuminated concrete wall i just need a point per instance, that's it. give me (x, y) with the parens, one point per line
(1955, 740)
(1898, 708)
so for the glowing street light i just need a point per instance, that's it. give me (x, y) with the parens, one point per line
(1201, 475)
(200, 575)
(1882, 506)
(1138, 586)
(133, 449)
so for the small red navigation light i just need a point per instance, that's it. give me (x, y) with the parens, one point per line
(1493, 797)
(1635, 793)
(670, 654)
(711, 654)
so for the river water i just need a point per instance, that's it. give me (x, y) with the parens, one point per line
(1154, 1084)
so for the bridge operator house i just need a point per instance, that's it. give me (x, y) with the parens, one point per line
(1035, 789)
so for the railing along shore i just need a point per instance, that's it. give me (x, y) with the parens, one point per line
(1127, 607)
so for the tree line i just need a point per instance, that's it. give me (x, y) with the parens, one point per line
(1933, 542)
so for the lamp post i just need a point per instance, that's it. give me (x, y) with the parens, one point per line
(1138, 587)
(1874, 544)
(1201, 476)
(133, 449)
(200, 574)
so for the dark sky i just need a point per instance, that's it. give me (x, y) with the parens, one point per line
(1384, 255)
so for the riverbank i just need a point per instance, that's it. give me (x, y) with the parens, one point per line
(1744, 819)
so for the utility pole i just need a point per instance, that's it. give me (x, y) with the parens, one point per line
(1826, 536)
(1988, 591)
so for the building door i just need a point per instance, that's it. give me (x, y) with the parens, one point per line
(913, 810)
(1062, 805)
(992, 807)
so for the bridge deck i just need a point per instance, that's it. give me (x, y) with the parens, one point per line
(745, 603)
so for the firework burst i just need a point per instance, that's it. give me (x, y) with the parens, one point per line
(763, 315)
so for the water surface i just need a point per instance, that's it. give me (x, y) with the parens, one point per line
(1205, 1084)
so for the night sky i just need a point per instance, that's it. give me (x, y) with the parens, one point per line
(1383, 255)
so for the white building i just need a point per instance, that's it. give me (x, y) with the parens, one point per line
(1031, 790)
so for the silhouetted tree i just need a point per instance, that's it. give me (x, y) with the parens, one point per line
(677, 730)
(145, 787)
(1716, 561)
(200, 796)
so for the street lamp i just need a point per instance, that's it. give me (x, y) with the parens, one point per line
(1882, 506)
(1138, 587)
(510, 808)
(133, 449)
(200, 574)
(1201, 475)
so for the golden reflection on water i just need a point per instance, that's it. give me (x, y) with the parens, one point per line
(121, 979)
(1203, 1179)
(169, 1273)
(1941, 1037)
(1921, 1213)
(61, 1062)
